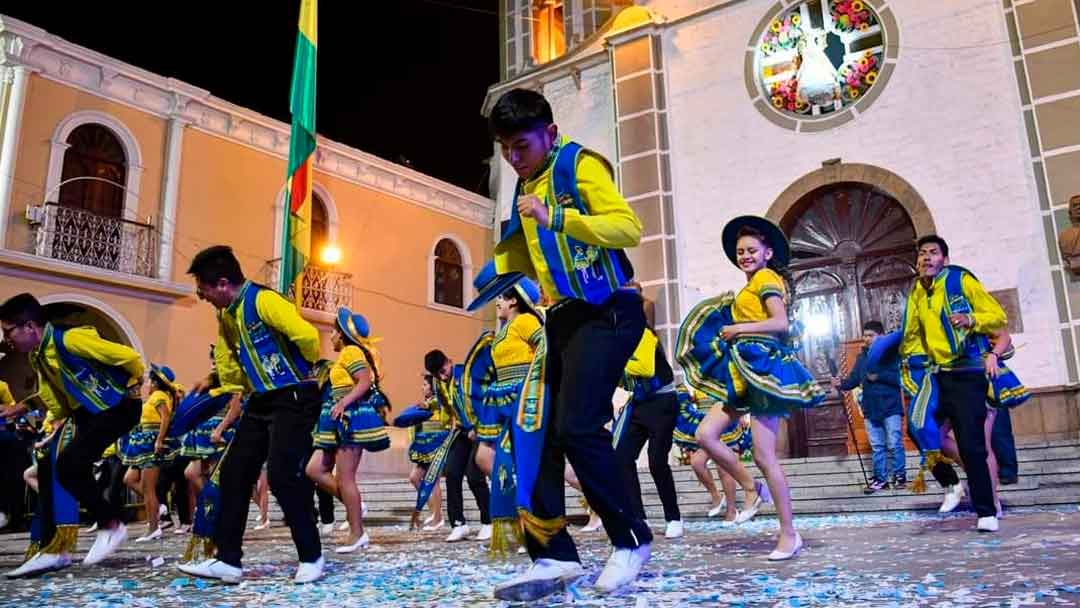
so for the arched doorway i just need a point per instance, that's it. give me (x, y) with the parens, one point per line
(15, 367)
(853, 259)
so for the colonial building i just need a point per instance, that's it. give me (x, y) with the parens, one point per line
(111, 178)
(857, 125)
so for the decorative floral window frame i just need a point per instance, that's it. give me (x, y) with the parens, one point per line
(867, 30)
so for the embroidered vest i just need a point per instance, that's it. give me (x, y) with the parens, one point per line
(965, 343)
(94, 386)
(270, 360)
(579, 270)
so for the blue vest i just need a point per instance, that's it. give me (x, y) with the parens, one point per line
(269, 359)
(95, 386)
(579, 270)
(968, 344)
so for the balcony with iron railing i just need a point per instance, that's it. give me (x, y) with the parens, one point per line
(323, 290)
(77, 236)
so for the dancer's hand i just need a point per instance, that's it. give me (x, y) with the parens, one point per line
(337, 411)
(530, 205)
(962, 321)
(159, 447)
(728, 332)
(216, 438)
(991, 364)
(12, 411)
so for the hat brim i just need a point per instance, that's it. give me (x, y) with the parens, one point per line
(346, 326)
(777, 239)
(157, 371)
(493, 289)
(527, 299)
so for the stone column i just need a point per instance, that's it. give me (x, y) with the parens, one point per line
(16, 78)
(170, 189)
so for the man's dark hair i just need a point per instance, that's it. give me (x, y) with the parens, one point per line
(23, 308)
(936, 240)
(519, 110)
(215, 263)
(874, 326)
(434, 361)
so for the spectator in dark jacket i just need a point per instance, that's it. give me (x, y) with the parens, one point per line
(882, 410)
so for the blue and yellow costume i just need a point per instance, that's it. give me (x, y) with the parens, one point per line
(360, 425)
(139, 449)
(54, 529)
(929, 344)
(693, 409)
(426, 437)
(755, 373)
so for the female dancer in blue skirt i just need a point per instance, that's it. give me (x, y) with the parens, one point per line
(149, 445)
(424, 440)
(736, 349)
(350, 421)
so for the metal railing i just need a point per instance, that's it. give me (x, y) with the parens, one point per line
(322, 289)
(82, 237)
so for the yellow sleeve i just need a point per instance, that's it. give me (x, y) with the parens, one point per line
(767, 283)
(987, 314)
(352, 360)
(86, 343)
(525, 327)
(643, 362)
(610, 223)
(156, 399)
(230, 376)
(283, 316)
(5, 394)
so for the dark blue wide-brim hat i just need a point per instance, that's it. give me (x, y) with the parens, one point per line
(777, 241)
(164, 373)
(490, 284)
(353, 325)
(412, 416)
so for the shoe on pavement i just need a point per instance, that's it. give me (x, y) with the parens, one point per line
(953, 495)
(484, 533)
(544, 577)
(182, 529)
(876, 485)
(622, 568)
(215, 569)
(674, 529)
(327, 528)
(361, 543)
(594, 524)
(262, 525)
(107, 541)
(987, 524)
(156, 534)
(779, 556)
(458, 533)
(435, 526)
(719, 508)
(40, 564)
(309, 572)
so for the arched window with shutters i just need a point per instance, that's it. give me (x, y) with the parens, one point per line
(449, 274)
(94, 171)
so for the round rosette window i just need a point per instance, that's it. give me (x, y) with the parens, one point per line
(817, 58)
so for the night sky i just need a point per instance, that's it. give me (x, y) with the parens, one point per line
(402, 79)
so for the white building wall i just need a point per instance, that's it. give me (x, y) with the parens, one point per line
(948, 122)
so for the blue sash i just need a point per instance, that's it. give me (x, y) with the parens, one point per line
(270, 360)
(96, 387)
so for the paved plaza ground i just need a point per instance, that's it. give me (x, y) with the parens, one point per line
(895, 559)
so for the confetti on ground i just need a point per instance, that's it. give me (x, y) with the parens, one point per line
(861, 560)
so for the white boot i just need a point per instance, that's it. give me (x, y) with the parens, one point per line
(674, 529)
(622, 568)
(484, 533)
(41, 563)
(309, 572)
(595, 523)
(953, 495)
(458, 533)
(987, 524)
(215, 569)
(105, 544)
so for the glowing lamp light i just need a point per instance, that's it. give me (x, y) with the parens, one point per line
(331, 255)
(818, 325)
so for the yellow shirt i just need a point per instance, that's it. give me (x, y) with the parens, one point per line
(924, 331)
(749, 305)
(350, 362)
(150, 414)
(517, 341)
(230, 376)
(5, 394)
(642, 363)
(280, 315)
(86, 343)
(610, 223)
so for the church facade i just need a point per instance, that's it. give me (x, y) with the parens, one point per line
(857, 126)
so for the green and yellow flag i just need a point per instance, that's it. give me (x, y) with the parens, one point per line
(296, 249)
